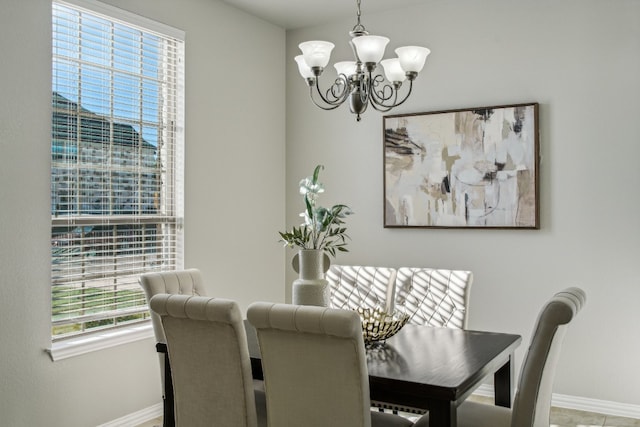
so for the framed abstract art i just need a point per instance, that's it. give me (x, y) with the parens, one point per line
(466, 168)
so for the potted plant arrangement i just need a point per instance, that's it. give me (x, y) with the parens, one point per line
(323, 233)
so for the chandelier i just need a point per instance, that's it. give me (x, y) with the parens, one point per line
(356, 80)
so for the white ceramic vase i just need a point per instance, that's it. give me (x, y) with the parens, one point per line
(311, 288)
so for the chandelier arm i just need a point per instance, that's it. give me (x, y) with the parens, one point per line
(326, 104)
(380, 104)
(382, 109)
(407, 95)
(319, 105)
(379, 96)
(333, 96)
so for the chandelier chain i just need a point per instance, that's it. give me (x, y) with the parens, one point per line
(358, 27)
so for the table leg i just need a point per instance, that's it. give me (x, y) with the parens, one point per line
(443, 415)
(502, 384)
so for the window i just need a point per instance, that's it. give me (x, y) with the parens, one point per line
(116, 164)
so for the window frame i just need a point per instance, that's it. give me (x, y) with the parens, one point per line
(115, 335)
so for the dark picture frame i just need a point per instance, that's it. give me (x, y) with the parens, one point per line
(463, 168)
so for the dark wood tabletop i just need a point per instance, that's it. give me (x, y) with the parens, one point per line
(438, 368)
(433, 368)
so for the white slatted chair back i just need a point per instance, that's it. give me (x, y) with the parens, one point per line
(434, 297)
(354, 286)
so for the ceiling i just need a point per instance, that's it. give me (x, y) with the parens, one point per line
(291, 14)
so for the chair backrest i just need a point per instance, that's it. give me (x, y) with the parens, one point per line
(354, 286)
(183, 282)
(533, 398)
(314, 363)
(434, 297)
(210, 362)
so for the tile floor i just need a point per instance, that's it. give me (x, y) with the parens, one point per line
(560, 417)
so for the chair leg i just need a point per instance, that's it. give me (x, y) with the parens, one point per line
(168, 419)
(168, 415)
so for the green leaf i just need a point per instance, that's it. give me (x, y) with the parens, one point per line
(309, 207)
(316, 173)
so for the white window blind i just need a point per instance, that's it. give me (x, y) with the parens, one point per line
(117, 165)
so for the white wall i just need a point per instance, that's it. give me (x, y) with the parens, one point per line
(581, 61)
(235, 162)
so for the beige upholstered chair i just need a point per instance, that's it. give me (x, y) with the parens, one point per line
(533, 397)
(434, 297)
(185, 282)
(354, 286)
(314, 363)
(210, 362)
(182, 282)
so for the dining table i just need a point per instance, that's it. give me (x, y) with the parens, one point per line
(431, 368)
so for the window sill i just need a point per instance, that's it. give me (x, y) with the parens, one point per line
(99, 341)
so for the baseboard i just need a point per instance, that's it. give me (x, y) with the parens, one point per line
(581, 403)
(136, 418)
(560, 400)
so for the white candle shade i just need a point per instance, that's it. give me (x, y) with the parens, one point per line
(392, 70)
(347, 68)
(412, 58)
(316, 53)
(370, 48)
(303, 68)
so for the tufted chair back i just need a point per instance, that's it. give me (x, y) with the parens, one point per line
(210, 363)
(532, 403)
(315, 369)
(181, 282)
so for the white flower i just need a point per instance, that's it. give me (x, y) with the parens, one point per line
(322, 228)
(308, 186)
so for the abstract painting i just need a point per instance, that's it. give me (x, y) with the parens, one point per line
(472, 168)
